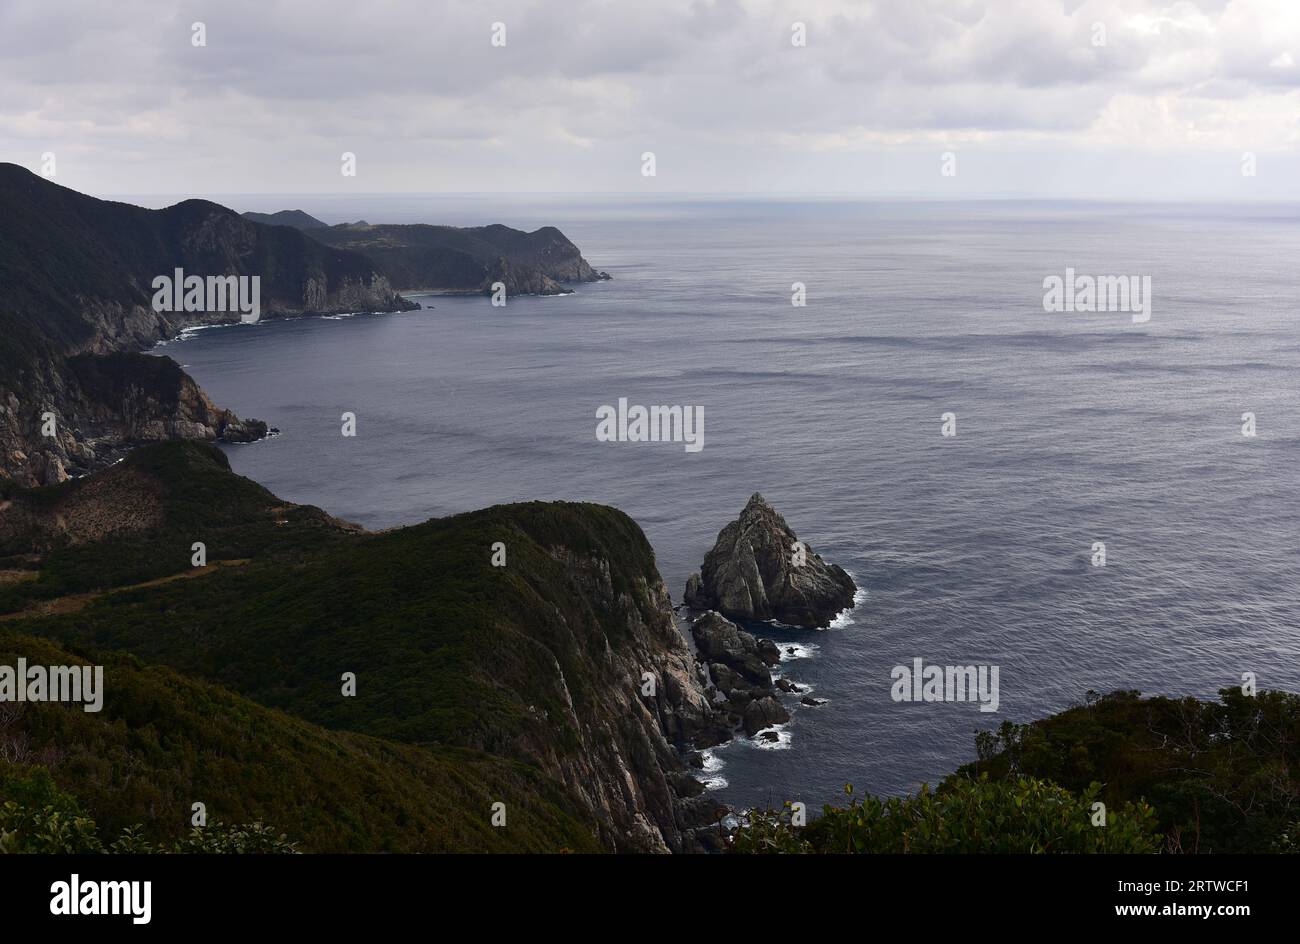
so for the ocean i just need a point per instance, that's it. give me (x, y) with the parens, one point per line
(1072, 428)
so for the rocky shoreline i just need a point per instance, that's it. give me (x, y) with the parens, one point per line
(77, 393)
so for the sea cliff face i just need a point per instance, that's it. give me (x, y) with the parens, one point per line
(76, 279)
(564, 664)
(628, 763)
(76, 284)
(469, 260)
(71, 416)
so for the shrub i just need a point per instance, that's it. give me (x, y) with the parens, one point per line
(1021, 816)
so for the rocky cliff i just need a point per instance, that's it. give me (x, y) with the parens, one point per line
(468, 260)
(740, 670)
(66, 417)
(759, 570)
(628, 763)
(76, 281)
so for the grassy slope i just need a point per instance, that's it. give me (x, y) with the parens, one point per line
(200, 499)
(449, 651)
(163, 742)
(447, 648)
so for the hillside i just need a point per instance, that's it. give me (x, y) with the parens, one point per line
(76, 278)
(1117, 774)
(77, 271)
(138, 521)
(1223, 777)
(451, 259)
(520, 683)
(295, 218)
(163, 742)
(541, 661)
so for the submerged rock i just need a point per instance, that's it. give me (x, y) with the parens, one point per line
(759, 570)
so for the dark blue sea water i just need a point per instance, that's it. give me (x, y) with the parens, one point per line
(1072, 428)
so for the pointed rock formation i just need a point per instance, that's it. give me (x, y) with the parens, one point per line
(755, 572)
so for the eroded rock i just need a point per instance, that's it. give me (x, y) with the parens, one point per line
(759, 570)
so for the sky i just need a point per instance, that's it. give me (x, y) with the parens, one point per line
(1101, 99)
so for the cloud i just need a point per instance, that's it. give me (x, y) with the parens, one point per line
(715, 87)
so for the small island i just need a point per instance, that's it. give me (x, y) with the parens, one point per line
(759, 570)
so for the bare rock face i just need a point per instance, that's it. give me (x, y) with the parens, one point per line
(628, 762)
(718, 640)
(763, 713)
(755, 572)
(739, 665)
(101, 406)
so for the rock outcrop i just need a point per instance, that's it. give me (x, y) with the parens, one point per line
(739, 667)
(83, 413)
(759, 570)
(455, 260)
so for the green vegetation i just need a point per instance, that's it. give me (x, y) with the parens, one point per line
(43, 819)
(1175, 775)
(462, 259)
(66, 257)
(447, 648)
(467, 674)
(964, 816)
(1222, 777)
(456, 659)
(163, 742)
(153, 505)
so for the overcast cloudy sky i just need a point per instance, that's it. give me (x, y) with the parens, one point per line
(1020, 91)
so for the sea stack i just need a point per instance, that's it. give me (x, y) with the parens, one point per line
(759, 570)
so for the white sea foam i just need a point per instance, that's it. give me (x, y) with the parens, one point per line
(843, 618)
(804, 687)
(802, 650)
(711, 779)
(784, 739)
(187, 333)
